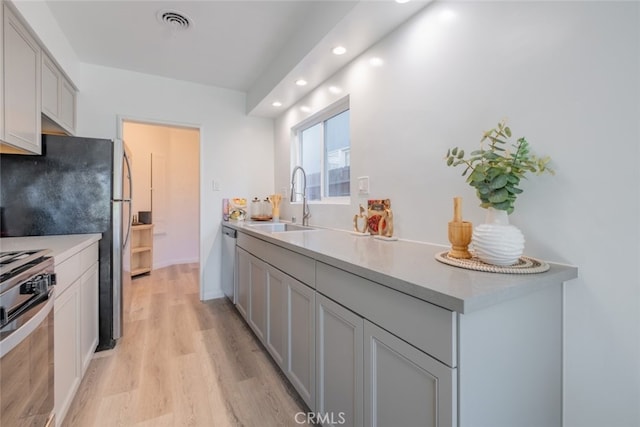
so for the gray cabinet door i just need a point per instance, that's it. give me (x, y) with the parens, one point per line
(258, 297)
(404, 386)
(339, 364)
(243, 273)
(276, 338)
(301, 330)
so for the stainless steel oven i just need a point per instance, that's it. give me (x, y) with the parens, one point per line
(26, 339)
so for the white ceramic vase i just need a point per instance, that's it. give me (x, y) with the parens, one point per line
(496, 241)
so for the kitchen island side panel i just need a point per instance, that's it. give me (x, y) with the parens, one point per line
(510, 363)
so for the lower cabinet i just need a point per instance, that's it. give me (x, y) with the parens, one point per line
(67, 363)
(244, 279)
(291, 330)
(301, 343)
(276, 340)
(75, 324)
(362, 354)
(347, 369)
(89, 283)
(258, 297)
(339, 364)
(404, 386)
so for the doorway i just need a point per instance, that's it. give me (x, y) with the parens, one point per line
(166, 192)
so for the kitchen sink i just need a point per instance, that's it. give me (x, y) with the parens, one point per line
(278, 227)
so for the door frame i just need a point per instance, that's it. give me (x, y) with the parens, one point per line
(121, 119)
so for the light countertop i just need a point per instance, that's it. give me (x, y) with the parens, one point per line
(411, 268)
(62, 247)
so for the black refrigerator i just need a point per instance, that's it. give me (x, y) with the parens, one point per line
(77, 186)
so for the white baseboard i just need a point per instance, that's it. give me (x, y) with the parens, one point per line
(167, 263)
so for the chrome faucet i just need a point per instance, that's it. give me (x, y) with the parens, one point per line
(305, 207)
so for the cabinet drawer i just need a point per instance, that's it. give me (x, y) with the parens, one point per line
(88, 257)
(294, 264)
(73, 267)
(428, 327)
(67, 272)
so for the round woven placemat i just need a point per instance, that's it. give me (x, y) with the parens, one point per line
(525, 265)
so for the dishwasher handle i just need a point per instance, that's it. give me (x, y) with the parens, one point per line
(230, 232)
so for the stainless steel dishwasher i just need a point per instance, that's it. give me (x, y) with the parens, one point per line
(228, 262)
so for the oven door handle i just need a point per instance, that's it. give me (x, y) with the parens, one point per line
(22, 306)
(17, 336)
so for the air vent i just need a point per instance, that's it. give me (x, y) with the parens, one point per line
(174, 19)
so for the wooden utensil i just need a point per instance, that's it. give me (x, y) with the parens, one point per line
(275, 200)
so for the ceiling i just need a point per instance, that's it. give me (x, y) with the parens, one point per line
(259, 47)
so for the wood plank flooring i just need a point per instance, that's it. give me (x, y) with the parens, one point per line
(182, 362)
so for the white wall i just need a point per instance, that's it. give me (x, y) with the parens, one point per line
(176, 205)
(566, 76)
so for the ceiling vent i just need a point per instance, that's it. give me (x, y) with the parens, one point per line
(177, 21)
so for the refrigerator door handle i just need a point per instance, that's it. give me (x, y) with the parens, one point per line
(126, 239)
(130, 179)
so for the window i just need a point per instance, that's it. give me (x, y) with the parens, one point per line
(323, 149)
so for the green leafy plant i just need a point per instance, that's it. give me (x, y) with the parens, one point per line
(495, 171)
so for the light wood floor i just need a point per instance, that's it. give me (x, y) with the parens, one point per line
(182, 362)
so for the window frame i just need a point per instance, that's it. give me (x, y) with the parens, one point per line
(321, 116)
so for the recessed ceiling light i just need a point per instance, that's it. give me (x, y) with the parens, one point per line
(339, 50)
(305, 109)
(376, 62)
(301, 82)
(447, 15)
(277, 104)
(402, 1)
(335, 89)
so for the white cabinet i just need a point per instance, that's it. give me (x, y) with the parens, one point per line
(67, 363)
(75, 324)
(89, 283)
(21, 87)
(51, 82)
(404, 386)
(68, 106)
(58, 96)
(339, 364)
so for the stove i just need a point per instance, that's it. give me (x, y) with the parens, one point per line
(26, 338)
(26, 278)
(15, 265)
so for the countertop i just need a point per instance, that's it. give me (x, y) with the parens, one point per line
(410, 267)
(62, 247)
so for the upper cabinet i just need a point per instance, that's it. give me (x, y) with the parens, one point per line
(21, 87)
(58, 96)
(35, 94)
